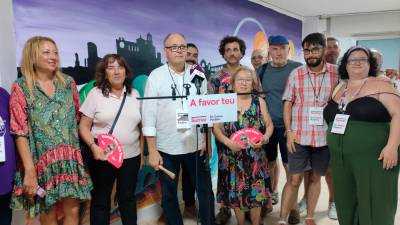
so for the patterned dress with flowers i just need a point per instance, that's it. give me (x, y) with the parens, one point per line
(243, 175)
(50, 124)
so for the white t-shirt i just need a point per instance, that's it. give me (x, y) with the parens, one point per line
(159, 116)
(103, 111)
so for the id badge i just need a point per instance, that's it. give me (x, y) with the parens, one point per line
(2, 149)
(2, 141)
(315, 116)
(182, 119)
(340, 123)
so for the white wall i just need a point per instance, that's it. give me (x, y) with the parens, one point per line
(366, 25)
(313, 24)
(350, 28)
(8, 72)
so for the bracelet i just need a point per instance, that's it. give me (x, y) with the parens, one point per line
(265, 137)
(287, 131)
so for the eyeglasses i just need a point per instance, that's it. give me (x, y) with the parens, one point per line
(115, 68)
(175, 48)
(244, 80)
(229, 50)
(257, 57)
(357, 61)
(314, 50)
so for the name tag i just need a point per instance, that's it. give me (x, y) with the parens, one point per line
(340, 123)
(2, 141)
(182, 119)
(315, 116)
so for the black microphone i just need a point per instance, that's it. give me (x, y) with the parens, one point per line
(225, 86)
(197, 76)
(173, 87)
(187, 88)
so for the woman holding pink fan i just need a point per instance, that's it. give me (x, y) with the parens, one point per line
(111, 113)
(242, 185)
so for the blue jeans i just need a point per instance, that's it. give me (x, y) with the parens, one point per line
(200, 177)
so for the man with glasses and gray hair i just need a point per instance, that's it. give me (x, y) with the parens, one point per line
(171, 140)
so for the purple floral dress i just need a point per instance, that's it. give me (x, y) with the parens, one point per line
(243, 175)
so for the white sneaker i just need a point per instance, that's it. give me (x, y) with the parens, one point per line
(302, 205)
(332, 214)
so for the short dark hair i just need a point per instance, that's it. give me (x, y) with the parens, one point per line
(371, 60)
(101, 77)
(229, 39)
(191, 45)
(315, 39)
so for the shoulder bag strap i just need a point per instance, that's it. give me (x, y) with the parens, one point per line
(119, 113)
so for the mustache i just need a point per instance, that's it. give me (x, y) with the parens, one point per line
(191, 61)
(315, 63)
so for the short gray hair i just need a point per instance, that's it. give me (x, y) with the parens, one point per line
(170, 34)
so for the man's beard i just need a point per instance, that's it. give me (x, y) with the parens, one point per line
(332, 58)
(313, 64)
(191, 62)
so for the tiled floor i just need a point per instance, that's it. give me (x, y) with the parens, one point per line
(272, 219)
(320, 214)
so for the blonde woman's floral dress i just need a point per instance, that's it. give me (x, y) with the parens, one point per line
(50, 124)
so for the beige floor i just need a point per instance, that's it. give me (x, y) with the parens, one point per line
(320, 214)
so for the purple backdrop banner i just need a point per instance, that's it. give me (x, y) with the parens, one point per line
(86, 30)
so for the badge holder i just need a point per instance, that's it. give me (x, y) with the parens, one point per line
(340, 123)
(2, 140)
(315, 116)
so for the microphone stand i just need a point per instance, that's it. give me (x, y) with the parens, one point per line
(173, 97)
(203, 129)
(185, 96)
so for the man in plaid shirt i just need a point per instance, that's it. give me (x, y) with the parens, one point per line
(308, 90)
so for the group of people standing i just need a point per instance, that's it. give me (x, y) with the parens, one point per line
(340, 122)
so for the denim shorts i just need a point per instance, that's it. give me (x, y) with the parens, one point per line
(309, 158)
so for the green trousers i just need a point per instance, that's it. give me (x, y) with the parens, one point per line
(365, 193)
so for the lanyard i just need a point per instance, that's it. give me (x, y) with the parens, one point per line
(174, 86)
(342, 103)
(316, 97)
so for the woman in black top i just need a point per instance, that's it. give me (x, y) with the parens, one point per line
(364, 150)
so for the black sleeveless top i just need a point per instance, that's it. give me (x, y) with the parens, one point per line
(366, 109)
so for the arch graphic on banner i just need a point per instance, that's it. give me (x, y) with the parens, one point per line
(248, 19)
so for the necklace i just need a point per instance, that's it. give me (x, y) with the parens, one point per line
(343, 101)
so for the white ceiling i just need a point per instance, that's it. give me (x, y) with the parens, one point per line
(303, 8)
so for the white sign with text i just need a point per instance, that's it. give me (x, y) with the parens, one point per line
(216, 108)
